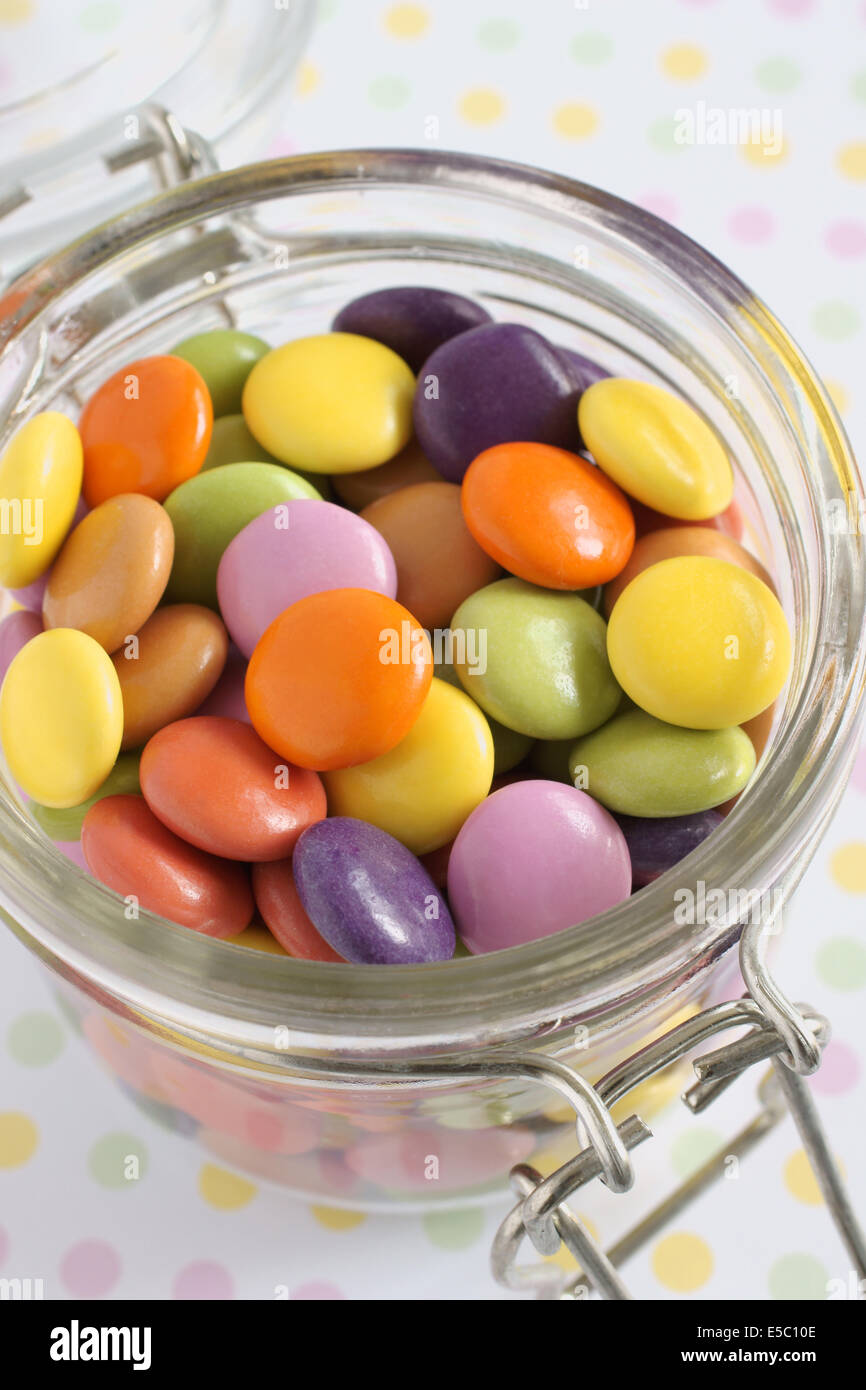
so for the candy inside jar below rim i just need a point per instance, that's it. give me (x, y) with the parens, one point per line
(558, 526)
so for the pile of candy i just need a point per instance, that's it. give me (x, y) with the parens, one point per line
(334, 662)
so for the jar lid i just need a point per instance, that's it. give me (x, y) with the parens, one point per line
(78, 84)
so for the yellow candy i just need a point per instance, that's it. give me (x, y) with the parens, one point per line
(40, 483)
(656, 447)
(335, 403)
(61, 717)
(699, 642)
(423, 790)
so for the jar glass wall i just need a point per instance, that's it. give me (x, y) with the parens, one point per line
(299, 1071)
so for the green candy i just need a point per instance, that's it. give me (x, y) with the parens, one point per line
(224, 358)
(547, 674)
(66, 824)
(232, 441)
(640, 766)
(509, 747)
(209, 510)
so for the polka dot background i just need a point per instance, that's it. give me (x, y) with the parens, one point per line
(99, 1202)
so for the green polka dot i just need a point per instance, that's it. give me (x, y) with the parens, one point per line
(498, 35)
(835, 319)
(100, 16)
(777, 75)
(858, 85)
(798, 1276)
(693, 1147)
(388, 93)
(68, 1012)
(454, 1230)
(841, 963)
(663, 134)
(117, 1160)
(34, 1039)
(591, 49)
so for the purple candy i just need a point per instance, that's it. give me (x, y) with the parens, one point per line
(292, 551)
(494, 384)
(227, 697)
(15, 632)
(655, 845)
(368, 895)
(534, 858)
(584, 372)
(412, 320)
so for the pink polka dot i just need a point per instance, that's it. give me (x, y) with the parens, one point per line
(846, 238)
(839, 1071)
(316, 1292)
(791, 9)
(203, 1279)
(280, 147)
(751, 225)
(4, 1246)
(858, 776)
(90, 1269)
(659, 204)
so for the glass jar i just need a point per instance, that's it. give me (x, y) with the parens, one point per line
(366, 1086)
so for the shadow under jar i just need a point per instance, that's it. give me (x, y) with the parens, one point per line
(302, 1073)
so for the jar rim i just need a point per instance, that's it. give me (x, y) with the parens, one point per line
(238, 996)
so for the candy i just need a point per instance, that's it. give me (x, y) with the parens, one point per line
(112, 571)
(339, 678)
(232, 442)
(656, 447)
(130, 850)
(412, 320)
(208, 512)
(675, 541)
(422, 791)
(544, 669)
(40, 481)
(639, 766)
(583, 370)
(223, 359)
(655, 845)
(493, 384)
(173, 665)
(290, 552)
(578, 857)
(438, 562)
(509, 747)
(547, 516)
(278, 901)
(64, 824)
(146, 429)
(699, 642)
(410, 466)
(227, 696)
(730, 521)
(369, 897)
(332, 403)
(61, 717)
(213, 782)
(16, 630)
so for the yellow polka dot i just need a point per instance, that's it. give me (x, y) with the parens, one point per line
(682, 1262)
(406, 21)
(684, 62)
(308, 79)
(800, 1180)
(764, 156)
(851, 160)
(848, 866)
(653, 1095)
(15, 11)
(573, 121)
(335, 1219)
(224, 1190)
(18, 1139)
(564, 1257)
(838, 394)
(482, 106)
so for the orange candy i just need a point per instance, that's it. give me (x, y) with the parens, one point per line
(146, 429)
(338, 678)
(547, 515)
(682, 540)
(278, 901)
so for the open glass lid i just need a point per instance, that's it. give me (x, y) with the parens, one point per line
(80, 81)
